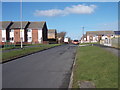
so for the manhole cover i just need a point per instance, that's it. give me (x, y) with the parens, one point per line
(86, 84)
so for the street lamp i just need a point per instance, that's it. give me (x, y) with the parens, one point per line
(21, 38)
(21, 24)
(83, 32)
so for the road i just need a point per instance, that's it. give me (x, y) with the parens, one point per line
(47, 69)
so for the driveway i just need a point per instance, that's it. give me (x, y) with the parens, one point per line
(47, 69)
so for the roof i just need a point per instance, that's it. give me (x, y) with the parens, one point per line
(36, 25)
(100, 32)
(52, 31)
(18, 24)
(117, 32)
(4, 24)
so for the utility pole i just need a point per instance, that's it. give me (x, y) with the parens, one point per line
(83, 32)
(21, 23)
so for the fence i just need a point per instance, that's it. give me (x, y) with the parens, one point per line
(115, 42)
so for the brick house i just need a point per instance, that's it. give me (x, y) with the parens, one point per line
(18, 31)
(4, 31)
(52, 36)
(37, 32)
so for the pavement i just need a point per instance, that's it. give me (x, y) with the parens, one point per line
(46, 69)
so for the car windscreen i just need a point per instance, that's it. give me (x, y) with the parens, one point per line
(75, 40)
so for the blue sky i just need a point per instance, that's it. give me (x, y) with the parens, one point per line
(65, 16)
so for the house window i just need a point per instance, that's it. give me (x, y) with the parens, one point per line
(29, 30)
(29, 38)
(11, 38)
(12, 30)
(3, 39)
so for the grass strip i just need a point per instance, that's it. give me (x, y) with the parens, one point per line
(21, 52)
(97, 65)
(89, 43)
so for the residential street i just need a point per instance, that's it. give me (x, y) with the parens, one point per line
(47, 69)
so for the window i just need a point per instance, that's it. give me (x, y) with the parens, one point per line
(29, 38)
(29, 30)
(3, 39)
(12, 30)
(11, 38)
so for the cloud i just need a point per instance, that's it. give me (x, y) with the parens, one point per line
(75, 9)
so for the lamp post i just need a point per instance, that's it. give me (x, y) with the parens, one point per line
(83, 32)
(21, 39)
(21, 24)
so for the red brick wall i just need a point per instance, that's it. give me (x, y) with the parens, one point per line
(35, 35)
(17, 35)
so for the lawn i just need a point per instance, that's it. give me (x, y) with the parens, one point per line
(97, 65)
(21, 52)
(19, 46)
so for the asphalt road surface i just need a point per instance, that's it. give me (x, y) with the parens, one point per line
(47, 69)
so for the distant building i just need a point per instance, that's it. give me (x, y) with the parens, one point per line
(52, 36)
(104, 37)
(96, 36)
(61, 36)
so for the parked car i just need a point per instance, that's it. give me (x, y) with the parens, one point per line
(76, 42)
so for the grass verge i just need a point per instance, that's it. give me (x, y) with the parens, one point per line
(21, 52)
(97, 65)
(89, 43)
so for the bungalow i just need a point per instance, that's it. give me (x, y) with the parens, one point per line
(52, 36)
(18, 32)
(4, 31)
(37, 32)
(96, 36)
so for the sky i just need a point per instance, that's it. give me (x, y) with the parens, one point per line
(60, 0)
(66, 16)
